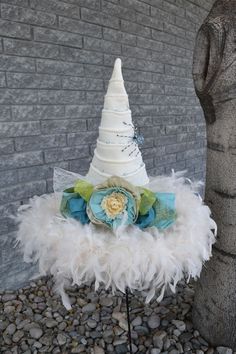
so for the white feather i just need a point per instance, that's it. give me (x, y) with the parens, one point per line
(147, 260)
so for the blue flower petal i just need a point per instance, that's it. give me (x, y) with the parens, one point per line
(146, 220)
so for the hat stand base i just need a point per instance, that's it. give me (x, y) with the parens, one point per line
(128, 320)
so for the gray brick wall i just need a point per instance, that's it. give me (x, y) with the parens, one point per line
(56, 57)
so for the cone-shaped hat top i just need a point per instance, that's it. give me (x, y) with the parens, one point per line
(117, 152)
(116, 97)
(117, 73)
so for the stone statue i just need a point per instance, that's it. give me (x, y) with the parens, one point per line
(214, 73)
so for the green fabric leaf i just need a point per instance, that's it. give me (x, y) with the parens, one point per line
(148, 198)
(84, 189)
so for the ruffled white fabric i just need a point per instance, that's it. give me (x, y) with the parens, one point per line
(147, 261)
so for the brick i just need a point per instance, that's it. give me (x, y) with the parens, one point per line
(80, 27)
(13, 29)
(172, 80)
(136, 52)
(175, 90)
(69, 153)
(82, 138)
(28, 16)
(146, 110)
(118, 36)
(139, 76)
(192, 17)
(101, 45)
(2, 80)
(17, 80)
(60, 97)
(186, 24)
(6, 146)
(166, 140)
(127, 13)
(18, 96)
(149, 163)
(19, 129)
(164, 159)
(163, 37)
(23, 3)
(150, 88)
(99, 18)
(170, 110)
(175, 129)
(188, 154)
(182, 137)
(30, 49)
(21, 160)
(59, 37)
(177, 31)
(7, 178)
(149, 44)
(174, 9)
(136, 5)
(26, 190)
(23, 113)
(95, 97)
(92, 4)
(131, 87)
(170, 100)
(80, 83)
(40, 142)
(56, 7)
(152, 131)
(18, 64)
(63, 126)
(81, 56)
(170, 149)
(135, 28)
(150, 21)
(59, 67)
(5, 113)
(140, 99)
(94, 71)
(29, 174)
(79, 165)
(174, 50)
(143, 121)
(83, 111)
(185, 43)
(157, 171)
(161, 15)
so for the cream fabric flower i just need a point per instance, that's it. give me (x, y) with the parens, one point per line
(114, 204)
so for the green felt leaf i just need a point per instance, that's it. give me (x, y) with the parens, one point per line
(148, 198)
(84, 189)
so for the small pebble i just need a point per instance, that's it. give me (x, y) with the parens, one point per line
(89, 308)
(224, 350)
(36, 332)
(61, 339)
(154, 321)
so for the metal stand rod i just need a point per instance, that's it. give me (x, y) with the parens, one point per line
(128, 319)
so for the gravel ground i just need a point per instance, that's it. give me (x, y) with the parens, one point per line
(33, 320)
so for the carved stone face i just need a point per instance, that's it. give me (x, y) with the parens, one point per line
(214, 65)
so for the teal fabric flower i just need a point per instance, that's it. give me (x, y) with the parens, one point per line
(161, 214)
(112, 204)
(74, 206)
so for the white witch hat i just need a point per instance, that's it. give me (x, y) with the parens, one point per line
(117, 152)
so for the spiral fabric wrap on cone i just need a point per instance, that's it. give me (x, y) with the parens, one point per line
(147, 260)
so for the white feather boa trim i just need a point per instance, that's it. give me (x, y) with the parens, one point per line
(146, 260)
